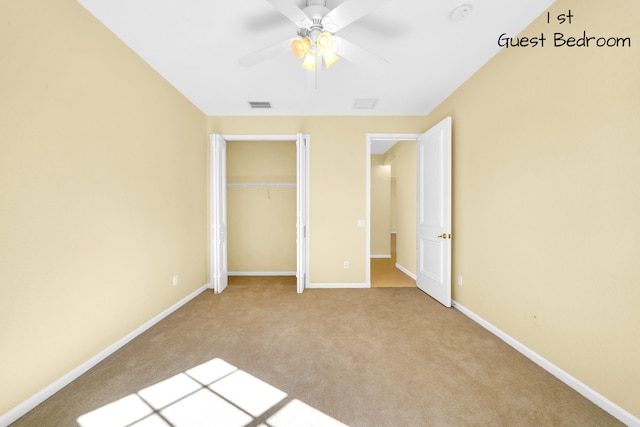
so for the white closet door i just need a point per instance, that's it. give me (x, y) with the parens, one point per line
(219, 269)
(301, 200)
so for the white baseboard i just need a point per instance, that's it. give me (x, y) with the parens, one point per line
(262, 273)
(56, 386)
(337, 286)
(380, 256)
(407, 272)
(595, 397)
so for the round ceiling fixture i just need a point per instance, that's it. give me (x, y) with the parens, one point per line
(460, 12)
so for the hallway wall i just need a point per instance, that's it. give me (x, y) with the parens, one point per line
(380, 206)
(403, 160)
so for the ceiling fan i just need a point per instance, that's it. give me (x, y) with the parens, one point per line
(315, 42)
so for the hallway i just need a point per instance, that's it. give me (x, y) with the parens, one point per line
(384, 273)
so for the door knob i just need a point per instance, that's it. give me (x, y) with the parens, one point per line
(444, 236)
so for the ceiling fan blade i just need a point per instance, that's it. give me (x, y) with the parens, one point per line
(290, 10)
(352, 10)
(265, 53)
(266, 21)
(362, 57)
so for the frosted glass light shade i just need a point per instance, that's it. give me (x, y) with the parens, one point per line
(300, 47)
(309, 62)
(325, 42)
(330, 58)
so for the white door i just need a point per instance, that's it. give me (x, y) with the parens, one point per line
(301, 199)
(434, 212)
(219, 270)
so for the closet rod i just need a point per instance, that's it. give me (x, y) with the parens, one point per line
(263, 185)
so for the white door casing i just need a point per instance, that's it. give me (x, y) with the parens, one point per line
(219, 274)
(434, 212)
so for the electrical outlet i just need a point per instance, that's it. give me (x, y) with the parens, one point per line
(346, 265)
(459, 280)
(175, 280)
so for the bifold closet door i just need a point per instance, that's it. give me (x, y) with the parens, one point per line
(219, 274)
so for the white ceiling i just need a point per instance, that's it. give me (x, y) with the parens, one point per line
(196, 44)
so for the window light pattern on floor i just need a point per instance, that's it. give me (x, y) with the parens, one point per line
(215, 393)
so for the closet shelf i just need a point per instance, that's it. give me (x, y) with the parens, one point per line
(262, 184)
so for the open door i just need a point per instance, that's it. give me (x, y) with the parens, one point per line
(301, 221)
(219, 270)
(434, 212)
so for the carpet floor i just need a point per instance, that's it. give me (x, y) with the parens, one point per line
(259, 354)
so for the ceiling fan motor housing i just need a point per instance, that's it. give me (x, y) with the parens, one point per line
(322, 3)
(315, 13)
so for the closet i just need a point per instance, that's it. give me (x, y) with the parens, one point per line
(261, 208)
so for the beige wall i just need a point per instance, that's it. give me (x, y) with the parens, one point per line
(402, 157)
(261, 162)
(546, 148)
(261, 221)
(337, 182)
(380, 206)
(102, 193)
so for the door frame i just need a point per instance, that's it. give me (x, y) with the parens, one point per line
(302, 202)
(371, 139)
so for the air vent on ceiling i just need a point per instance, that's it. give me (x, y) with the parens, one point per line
(260, 104)
(365, 103)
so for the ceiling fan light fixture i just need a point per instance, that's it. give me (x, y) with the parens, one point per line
(309, 62)
(330, 58)
(300, 47)
(325, 41)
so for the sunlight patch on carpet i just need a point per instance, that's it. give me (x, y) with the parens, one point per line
(297, 413)
(122, 412)
(248, 392)
(214, 393)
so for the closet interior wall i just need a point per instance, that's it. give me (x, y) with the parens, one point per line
(261, 208)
